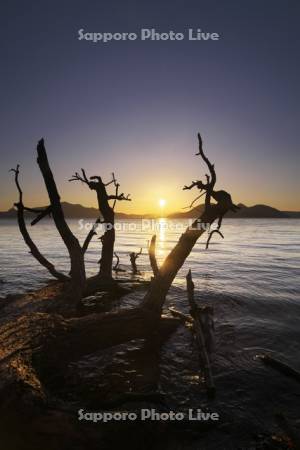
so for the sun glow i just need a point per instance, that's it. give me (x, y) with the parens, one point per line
(162, 202)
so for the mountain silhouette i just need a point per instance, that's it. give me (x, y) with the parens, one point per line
(77, 211)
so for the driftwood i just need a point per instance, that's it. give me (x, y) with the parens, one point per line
(202, 334)
(37, 344)
(116, 267)
(184, 317)
(133, 257)
(280, 366)
(152, 257)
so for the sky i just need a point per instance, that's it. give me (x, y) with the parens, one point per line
(135, 107)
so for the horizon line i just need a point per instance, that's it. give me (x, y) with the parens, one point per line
(156, 213)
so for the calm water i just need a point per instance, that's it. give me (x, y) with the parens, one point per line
(259, 258)
(252, 280)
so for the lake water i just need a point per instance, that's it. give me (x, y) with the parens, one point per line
(259, 258)
(251, 278)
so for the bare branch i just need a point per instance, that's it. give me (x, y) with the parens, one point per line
(194, 201)
(90, 235)
(152, 256)
(119, 197)
(210, 236)
(133, 257)
(210, 180)
(113, 180)
(210, 166)
(82, 178)
(117, 185)
(34, 210)
(190, 290)
(44, 213)
(191, 186)
(117, 263)
(16, 172)
(23, 229)
(116, 267)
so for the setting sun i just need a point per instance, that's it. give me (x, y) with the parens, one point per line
(162, 202)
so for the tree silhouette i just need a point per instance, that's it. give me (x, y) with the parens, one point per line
(42, 342)
(107, 213)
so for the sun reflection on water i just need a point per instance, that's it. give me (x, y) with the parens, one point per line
(161, 234)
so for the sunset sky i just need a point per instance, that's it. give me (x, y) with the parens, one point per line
(135, 107)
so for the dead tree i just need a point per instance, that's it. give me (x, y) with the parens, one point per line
(107, 213)
(160, 285)
(77, 279)
(202, 327)
(48, 341)
(77, 272)
(133, 257)
(165, 275)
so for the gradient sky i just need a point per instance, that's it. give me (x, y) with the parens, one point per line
(135, 107)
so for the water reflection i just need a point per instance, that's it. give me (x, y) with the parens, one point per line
(161, 234)
(265, 265)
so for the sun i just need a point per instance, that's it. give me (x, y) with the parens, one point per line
(162, 202)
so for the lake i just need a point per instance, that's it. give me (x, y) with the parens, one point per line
(259, 258)
(251, 278)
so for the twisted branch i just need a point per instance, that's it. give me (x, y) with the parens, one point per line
(23, 229)
(210, 180)
(90, 235)
(210, 236)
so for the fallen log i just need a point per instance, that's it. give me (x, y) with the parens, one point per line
(35, 347)
(184, 317)
(202, 339)
(280, 366)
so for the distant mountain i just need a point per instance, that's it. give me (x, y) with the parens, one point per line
(76, 211)
(249, 212)
(293, 214)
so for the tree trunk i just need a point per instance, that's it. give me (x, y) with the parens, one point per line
(108, 239)
(37, 346)
(71, 242)
(155, 297)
